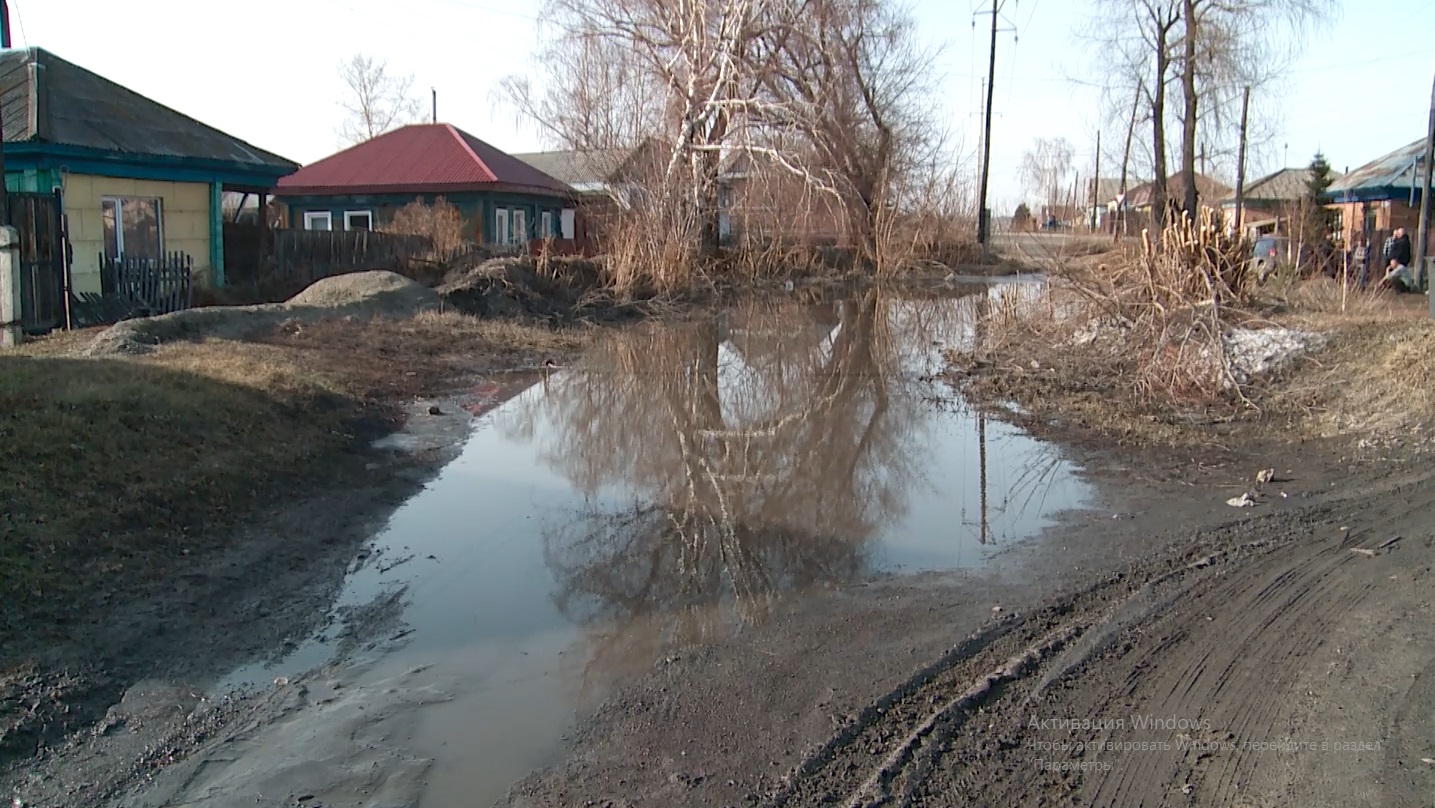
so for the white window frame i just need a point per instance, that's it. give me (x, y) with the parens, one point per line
(349, 214)
(312, 216)
(502, 227)
(520, 226)
(545, 224)
(119, 203)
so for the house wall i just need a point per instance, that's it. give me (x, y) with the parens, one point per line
(478, 209)
(782, 207)
(1383, 214)
(184, 222)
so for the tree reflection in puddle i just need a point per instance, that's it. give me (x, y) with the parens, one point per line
(760, 452)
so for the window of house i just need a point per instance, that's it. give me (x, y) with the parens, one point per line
(545, 224)
(133, 226)
(318, 220)
(501, 232)
(520, 226)
(358, 220)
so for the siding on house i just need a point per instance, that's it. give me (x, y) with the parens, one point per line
(477, 208)
(184, 222)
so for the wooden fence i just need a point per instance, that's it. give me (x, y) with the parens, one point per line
(279, 262)
(136, 287)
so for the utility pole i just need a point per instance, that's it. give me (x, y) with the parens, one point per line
(1241, 165)
(434, 90)
(1096, 183)
(1424, 229)
(983, 217)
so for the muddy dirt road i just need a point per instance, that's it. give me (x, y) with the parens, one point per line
(1283, 659)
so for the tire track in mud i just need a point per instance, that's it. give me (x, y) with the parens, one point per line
(1215, 635)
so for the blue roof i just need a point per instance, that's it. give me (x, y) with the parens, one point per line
(1396, 175)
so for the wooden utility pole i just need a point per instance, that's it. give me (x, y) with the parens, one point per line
(1096, 183)
(1423, 236)
(983, 223)
(1241, 165)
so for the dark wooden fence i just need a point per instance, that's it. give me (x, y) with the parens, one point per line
(274, 263)
(43, 258)
(137, 287)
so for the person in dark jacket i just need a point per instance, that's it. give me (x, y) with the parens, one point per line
(1397, 274)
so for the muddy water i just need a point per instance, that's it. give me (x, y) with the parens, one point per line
(676, 486)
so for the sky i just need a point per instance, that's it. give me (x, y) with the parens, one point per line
(266, 71)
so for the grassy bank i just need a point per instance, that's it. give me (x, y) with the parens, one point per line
(1176, 344)
(120, 466)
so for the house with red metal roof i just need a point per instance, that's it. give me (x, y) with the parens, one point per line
(503, 200)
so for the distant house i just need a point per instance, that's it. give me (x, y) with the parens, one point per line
(1270, 203)
(1102, 202)
(603, 180)
(133, 177)
(1209, 192)
(1381, 195)
(761, 204)
(503, 200)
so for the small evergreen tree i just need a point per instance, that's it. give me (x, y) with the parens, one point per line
(1320, 178)
(1317, 222)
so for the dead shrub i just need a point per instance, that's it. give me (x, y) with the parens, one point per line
(440, 223)
(1149, 324)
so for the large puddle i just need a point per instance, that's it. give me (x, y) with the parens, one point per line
(671, 488)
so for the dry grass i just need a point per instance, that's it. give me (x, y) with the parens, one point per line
(1127, 351)
(1147, 326)
(1375, 379)
(120, 464)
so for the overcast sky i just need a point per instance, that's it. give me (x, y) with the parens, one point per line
(267, 70)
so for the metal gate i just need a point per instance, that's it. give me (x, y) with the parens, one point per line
(44, 260)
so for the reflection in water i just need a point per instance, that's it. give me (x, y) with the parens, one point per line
(664, 493)
(761, 451)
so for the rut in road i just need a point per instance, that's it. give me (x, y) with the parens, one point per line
(1216, 635)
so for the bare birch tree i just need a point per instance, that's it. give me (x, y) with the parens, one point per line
(815, 98)
(377, 101)
(1046, 166)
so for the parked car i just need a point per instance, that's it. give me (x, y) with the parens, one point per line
(1269, 254)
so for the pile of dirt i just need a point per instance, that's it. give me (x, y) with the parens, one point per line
(379, 292)
(560, 291)
(362, 294)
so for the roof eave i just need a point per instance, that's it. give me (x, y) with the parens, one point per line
(427, 189)
(84, 160)
(1369, 193)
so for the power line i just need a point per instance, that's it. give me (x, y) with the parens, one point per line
(20, 18)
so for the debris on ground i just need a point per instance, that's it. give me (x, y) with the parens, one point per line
(1265, 475)
(1243, 501)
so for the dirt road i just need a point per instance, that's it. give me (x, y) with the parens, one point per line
(1277, 659)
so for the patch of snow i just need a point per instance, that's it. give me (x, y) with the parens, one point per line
(1254, 352)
